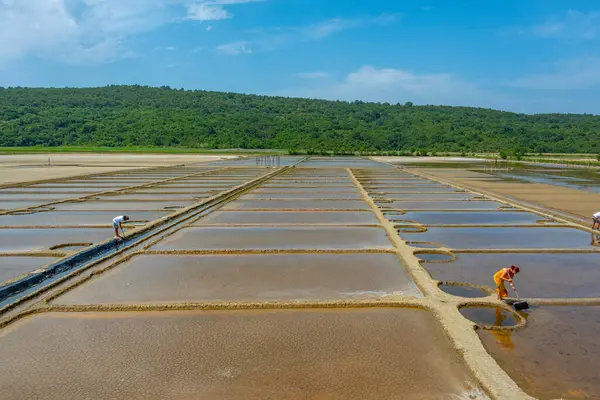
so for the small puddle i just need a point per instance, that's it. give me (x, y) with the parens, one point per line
(489, 316)
(427, 257)
(463, 291)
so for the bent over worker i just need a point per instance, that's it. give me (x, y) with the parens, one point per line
(505, 275)
(596, 219)
(117, 221)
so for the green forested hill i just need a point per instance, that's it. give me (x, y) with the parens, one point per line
(141, 116)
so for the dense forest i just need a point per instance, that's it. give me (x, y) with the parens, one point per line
(128, 116)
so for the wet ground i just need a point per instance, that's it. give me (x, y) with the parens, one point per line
(564, 275)
(250, 277)
(363, 354)
(506, 238)
(555, 355)
(332, 233)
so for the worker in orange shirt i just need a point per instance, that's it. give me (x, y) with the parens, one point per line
(505, 275)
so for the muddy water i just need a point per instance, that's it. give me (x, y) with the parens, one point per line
(294, 190)
(494, 217)
(245, 238)
(122, 205)
(428, 196)
(299, 204)
(434, 256)
(555, 355)
(199, 185)
(16, 204)
(108, 182)
(464, 291)
(288, 195)
(135, 196)
(489, 316)
(505, 238)
(400, 182)
(363, 354)
(72, 191)
(444, 205)
(179, 192)
(12, 267)
(39, 197)
(289, 217)
(412, 189)
(72, 218)
(21, 240)
(182, 190)
(541, 276)
(338, 163)
(171, 278)
(98, 185)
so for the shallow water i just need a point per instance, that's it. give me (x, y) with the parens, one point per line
(293, 190)
(444, 205)
(12, 267)
(244, 238)
(70, 191)
(100, 186)
(434, 256)
(39, 197)
(489, 316)
(177, 191)
(258, 277)
(541, 276)
(505, 238)
(289, 217)
(482, 217)
(428, 196)
(72, 218)
(290, 195)
(299, 204)
(464, 291)
(441, 190)
(21, 240)
(363, 354)
(17, 204)
(555, 356)
(153, 196)
(343, 163)
(123, 205)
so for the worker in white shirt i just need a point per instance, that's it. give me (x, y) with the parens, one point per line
(596, 218)
(117, 221)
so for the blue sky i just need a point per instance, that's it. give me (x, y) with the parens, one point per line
(532, 56)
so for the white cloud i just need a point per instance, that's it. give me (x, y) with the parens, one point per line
(572, 74)
(234, 49)
(398, 86)
(213, 10)
(573, 25)
(336, 25)
(209, 28)
(92, 31)
(75, 31)
(167, 48)
(312, 75)
(279, 37)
